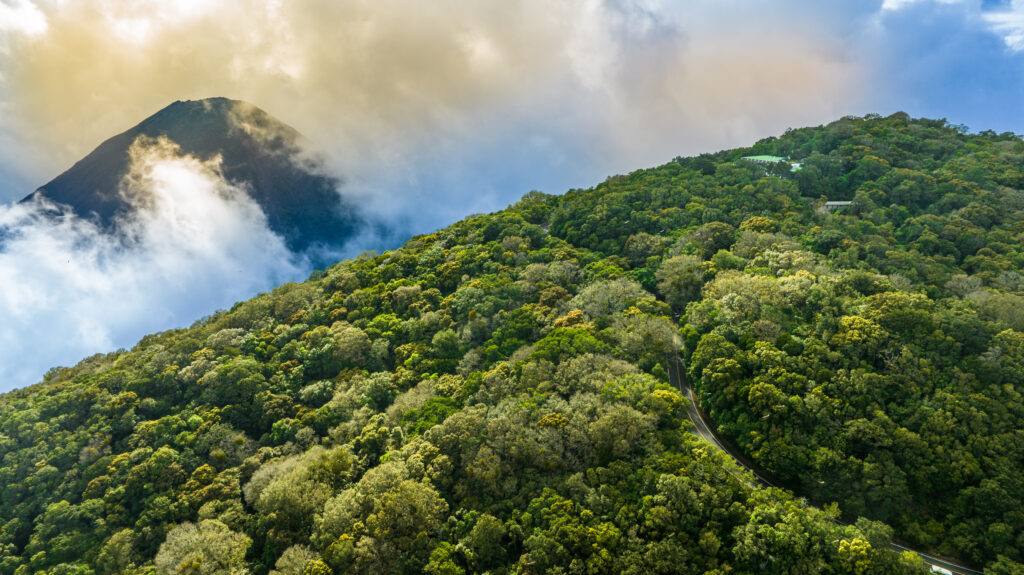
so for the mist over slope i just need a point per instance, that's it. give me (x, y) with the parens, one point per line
(202, 204)
(266, 158)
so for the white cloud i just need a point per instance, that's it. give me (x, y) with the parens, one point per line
(899, 4)
(136, 21)
(1006, 20)
(22, 16)
(193, 244)
(1009, 23)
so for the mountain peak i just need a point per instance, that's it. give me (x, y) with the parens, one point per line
(257, 151)
(216, 105)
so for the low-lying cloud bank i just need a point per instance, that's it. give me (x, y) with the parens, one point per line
(193, 243)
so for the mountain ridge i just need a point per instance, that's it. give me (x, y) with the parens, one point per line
(494, 396)
(257, 152)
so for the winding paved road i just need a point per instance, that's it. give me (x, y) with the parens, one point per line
(705, 430)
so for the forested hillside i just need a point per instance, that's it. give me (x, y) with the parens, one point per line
(495, 396)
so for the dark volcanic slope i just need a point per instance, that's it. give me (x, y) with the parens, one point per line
(301, 206)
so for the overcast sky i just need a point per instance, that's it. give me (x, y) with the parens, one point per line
(430, 111)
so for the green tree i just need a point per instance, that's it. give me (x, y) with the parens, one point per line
(207, 548)
(680, 279)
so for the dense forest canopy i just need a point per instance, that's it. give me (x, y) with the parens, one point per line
(495, 396)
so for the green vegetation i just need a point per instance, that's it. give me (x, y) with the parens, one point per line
(494, 397)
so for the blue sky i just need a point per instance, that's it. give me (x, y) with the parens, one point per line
(429, 112)
(953, 61)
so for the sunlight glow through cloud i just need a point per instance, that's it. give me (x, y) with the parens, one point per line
(22, 16)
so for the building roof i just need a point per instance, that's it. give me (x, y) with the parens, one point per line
(765, 158)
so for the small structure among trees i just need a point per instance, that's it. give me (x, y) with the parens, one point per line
(833, 205)
(774, 162)
(765, 159)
